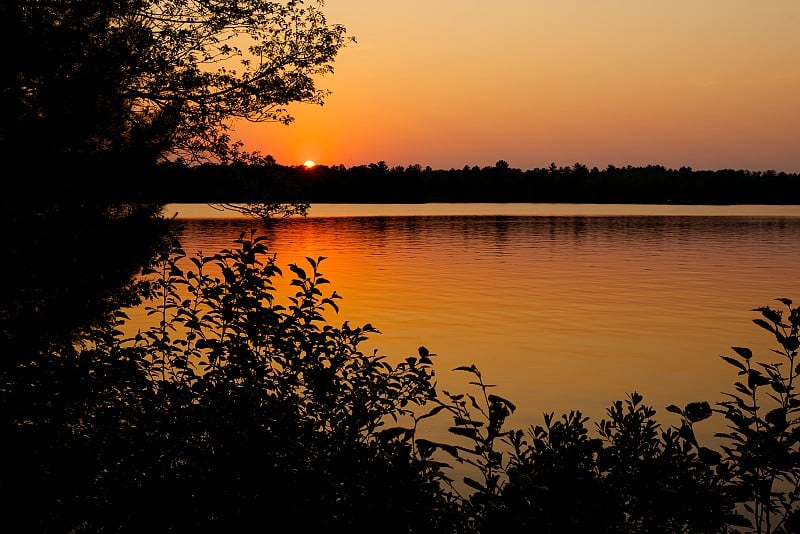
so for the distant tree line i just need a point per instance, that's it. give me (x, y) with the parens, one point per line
(379, 183)
(235, 409)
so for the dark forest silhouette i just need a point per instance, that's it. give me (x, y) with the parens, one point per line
(378, 183)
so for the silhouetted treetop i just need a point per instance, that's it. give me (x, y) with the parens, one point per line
(91, 82)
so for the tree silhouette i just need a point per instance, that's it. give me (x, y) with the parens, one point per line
(116, 86)
(95, 94)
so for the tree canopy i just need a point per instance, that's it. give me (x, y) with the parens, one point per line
(90, 83)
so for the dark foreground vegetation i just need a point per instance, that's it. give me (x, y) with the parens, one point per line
(378, 183)
(235, 409)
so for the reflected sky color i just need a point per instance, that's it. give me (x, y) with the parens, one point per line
(561, 312)
(709, 84)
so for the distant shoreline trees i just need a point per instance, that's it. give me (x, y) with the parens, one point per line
(379, 183)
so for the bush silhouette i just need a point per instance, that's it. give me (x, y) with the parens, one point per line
(230, 410)
(234, 409)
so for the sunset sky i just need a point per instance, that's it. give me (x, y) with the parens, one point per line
(709, 84)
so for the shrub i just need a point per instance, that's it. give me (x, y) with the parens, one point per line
(231, 410)
(762, 444)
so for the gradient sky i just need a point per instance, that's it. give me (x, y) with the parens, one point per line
(710, 84)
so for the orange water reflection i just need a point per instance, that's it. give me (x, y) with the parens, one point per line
(560, 312)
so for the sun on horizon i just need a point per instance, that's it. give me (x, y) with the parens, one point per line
(308, 164)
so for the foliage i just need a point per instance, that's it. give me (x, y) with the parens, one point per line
(634, 476)
(110, 87)
(265, 211)
(68, 265)
(379, 183)
(762, 450)
(555, 478)
(231, 409)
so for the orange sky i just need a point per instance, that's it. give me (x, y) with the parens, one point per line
(709, 84)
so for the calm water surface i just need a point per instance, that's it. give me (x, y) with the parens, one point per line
(562, 306)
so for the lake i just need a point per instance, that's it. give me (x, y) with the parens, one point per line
(562, 306)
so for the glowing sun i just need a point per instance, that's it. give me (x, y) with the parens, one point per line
(308, 164)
